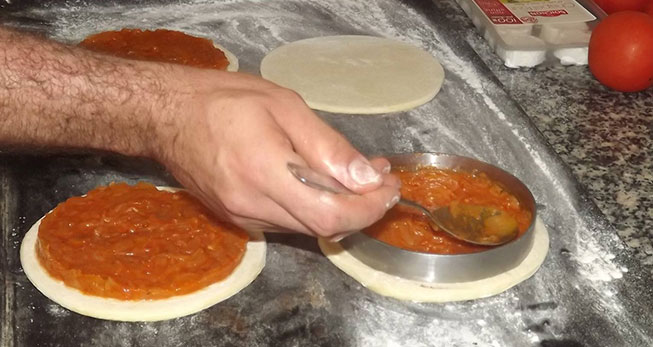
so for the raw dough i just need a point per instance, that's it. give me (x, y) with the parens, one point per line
(142, 310)
(233, 60)
(355, 74)
(403, 289)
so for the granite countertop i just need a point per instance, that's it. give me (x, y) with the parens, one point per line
(605, 137)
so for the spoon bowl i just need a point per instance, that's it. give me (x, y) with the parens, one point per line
(469, 223)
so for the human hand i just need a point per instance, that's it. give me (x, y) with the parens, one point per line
(229, 138)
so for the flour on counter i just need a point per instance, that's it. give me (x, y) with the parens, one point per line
(471, 114)
(57, 311)
(596, 263)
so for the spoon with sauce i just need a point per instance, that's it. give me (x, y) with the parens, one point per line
(476, 224)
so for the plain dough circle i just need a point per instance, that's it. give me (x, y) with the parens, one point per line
(403, 289)
(355, 74)
(142, 310)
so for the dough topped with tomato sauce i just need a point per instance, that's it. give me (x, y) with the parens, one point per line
(407, 228)
(137, 242)
(161, 45)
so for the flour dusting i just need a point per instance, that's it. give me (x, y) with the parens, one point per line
(582, 276)
(597, 264)
(57, 311)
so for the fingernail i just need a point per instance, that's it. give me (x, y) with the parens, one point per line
(362, 172)
(394, 201)
(387, 168)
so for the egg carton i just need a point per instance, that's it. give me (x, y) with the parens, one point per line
(554, 40)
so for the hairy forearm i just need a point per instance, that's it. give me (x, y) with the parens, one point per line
(57, 95)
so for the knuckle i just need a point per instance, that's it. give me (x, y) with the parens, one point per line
(392, 181)
(236, 204)
(287, 95)
(336, 148)
(238, 99)
(377, 214)
(327, 225)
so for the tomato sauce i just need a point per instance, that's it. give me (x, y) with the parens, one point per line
(159, 45)
(407, 228)
(136, 242)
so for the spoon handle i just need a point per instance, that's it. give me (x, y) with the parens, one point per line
(317, 180)
(413, 204)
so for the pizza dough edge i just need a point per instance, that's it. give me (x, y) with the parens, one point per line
(233, 60)
(409, 290)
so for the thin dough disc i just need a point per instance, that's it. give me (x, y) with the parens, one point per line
(355, 74)
(142, 310)
(403, 289)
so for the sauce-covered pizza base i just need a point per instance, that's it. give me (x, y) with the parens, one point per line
(134, 242)
(162, 45)
(244, 273)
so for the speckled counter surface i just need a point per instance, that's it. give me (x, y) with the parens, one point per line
(605, 137)
(590, 291)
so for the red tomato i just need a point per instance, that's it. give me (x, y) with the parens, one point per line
(612, 6)
(621, 51)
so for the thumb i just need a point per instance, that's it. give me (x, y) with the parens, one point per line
(353, 170)
(330, 153)
(357, 172)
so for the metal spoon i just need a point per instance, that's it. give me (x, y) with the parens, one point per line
(466, 222)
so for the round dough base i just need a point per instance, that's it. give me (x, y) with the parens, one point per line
(355, 74)
(141, 310)
(403, 289)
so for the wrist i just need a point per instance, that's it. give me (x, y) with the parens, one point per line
(137, 105)
(188, 95)
(169, 111)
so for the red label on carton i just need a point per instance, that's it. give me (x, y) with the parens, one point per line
(550, 13)
(502, 12)
(497, 12)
